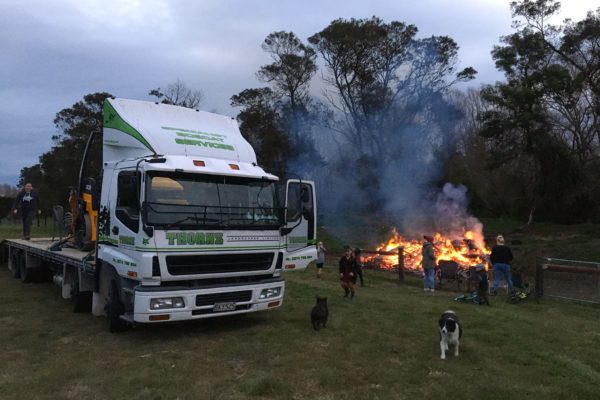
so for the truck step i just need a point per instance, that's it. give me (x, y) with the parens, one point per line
(127, 317)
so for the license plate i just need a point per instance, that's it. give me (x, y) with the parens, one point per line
(220, 307)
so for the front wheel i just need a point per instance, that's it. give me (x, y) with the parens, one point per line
(82, 301)
(114, 309)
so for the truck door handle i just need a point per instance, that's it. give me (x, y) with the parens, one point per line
(115, 230)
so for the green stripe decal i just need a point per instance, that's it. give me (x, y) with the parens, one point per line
(113, 120)
(200, 249)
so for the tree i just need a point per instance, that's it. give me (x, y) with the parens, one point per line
(261, 125)
(577, 47)
(536, 113)
(279, 120)
(573, 78)
(178, 94)
(292, 68)
(59, 168)
(388, 90)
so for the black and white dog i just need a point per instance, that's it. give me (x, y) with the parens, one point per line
(450, 332)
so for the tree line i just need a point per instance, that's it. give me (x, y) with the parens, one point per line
(390, 124)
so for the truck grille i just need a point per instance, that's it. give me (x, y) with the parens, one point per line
(232, 297)
(205, 311)
(219, 263)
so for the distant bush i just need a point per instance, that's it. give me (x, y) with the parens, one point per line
(5, 206)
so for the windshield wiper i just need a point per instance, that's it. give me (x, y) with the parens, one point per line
(194, 218)
(189, 217)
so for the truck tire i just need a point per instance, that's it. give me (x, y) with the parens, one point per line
(114, 309)
(15, 270)
(24, 272)
(83, 233)
(82, 301)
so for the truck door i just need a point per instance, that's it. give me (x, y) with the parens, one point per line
(301, 214)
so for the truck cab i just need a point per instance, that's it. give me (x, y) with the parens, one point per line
(189, 226)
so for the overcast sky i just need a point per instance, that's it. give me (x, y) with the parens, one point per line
(52, 52)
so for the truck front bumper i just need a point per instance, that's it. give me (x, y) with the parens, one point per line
(206, 302)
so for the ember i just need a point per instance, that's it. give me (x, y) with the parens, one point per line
(466, 251)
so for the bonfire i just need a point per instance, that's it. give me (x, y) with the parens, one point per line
(466, 249)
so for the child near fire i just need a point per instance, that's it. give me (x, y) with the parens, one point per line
(347, 272)
(481, 279)
(428, 264)
(320, 258)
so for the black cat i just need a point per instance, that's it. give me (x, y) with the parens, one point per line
(319, 313)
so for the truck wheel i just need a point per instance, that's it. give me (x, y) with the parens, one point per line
(114, 309)
(24, 272)
(82, 301)
(15, 270)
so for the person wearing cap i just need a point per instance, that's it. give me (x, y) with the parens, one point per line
(500, 258)
(428, 264)
(320, 258)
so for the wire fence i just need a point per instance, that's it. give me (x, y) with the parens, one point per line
(568, 279)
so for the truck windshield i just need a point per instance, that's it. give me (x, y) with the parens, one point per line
(188, 201)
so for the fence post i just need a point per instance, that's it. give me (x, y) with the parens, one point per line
(598, 283)
(401, 264)
(539, 278)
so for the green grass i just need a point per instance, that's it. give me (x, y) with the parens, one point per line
(14, 230)
(381, 345)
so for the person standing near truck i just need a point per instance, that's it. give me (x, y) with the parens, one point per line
(28, 203)
(320, 258)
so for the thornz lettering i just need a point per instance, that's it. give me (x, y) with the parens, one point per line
(194, 238)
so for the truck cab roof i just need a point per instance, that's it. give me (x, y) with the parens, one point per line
(134, 129)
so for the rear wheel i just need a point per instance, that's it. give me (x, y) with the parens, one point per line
(15, 267)
(24, 272)
(114, 309)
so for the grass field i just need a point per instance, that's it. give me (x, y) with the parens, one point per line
(381, 345)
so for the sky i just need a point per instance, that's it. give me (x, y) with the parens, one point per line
(53, 52)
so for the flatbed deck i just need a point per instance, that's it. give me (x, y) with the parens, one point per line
(41, 248)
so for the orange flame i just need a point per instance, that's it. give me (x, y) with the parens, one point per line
(466, 251)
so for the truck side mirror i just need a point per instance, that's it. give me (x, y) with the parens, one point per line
(305, 195)
(307, 213)
(148, 230)
(284, 231)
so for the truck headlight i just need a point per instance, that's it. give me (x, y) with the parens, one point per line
(271, 292)
(167, 302)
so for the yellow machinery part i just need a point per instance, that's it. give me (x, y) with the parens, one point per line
(87, 198)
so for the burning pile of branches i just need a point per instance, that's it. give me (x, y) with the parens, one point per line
(465, 251)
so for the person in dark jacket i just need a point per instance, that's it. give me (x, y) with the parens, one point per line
(428, 264)
(500, 258)
(28, 203)
(347, 272)
(358, 268)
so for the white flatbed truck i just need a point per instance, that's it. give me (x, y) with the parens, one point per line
(185, 225)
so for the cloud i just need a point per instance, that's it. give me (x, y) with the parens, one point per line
(54, 52)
